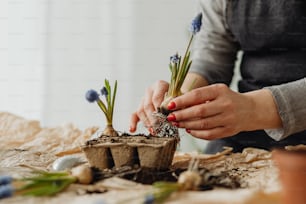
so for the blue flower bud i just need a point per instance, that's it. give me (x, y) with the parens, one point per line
(196, 24)
(175, 59)
(149, 199)
(6, 191)
(92, 95)
(5, 180)
(104, 91)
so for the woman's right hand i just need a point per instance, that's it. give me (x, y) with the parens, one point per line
(152, 99)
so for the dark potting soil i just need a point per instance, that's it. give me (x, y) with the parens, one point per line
(125, 137)
(149, 176)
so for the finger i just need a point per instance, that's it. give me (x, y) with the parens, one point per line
(149, 110)
(197, 96)
(211, 134)
(206, 109)
(133, 122)
(203, 123)
(143, 117)
(148, 107)
(159, 93)
(142, 114)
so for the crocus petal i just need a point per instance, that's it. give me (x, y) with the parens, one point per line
(104, 91)
(149, 199)
(92, 95)
(196, 24)
(6, 191)
(5, 179)
(175, 59)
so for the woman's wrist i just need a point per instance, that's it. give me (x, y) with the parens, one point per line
(264, 110)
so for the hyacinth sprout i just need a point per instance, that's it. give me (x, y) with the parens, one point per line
(179, 67)
(45, 183)
(190, 179)
(107, 107)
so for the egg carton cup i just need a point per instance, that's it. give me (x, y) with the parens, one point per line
(107, 152)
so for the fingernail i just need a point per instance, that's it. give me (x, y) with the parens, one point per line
(188, 130)
(176, 124)
(171, 117)
(171, 105)
(132, 129)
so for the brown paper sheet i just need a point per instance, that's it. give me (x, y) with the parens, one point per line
(25, 143)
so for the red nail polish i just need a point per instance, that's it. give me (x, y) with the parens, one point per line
(171, 105)
(171, 117)
(188, 130)
(176, 124)
(132, 129)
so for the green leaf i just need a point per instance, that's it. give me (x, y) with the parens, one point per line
(103, 108)
(109, 95)
(46, 183)
(113, 101)
(162, 190)
(45, 188)
(179, 73)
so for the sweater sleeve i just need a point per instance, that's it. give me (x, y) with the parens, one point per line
(290, 102)
(214, 48)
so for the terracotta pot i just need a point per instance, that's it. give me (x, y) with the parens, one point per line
(292, 174)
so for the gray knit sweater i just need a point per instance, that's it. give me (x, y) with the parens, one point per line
(214, 54)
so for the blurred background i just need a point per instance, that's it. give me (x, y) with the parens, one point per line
(53, 51)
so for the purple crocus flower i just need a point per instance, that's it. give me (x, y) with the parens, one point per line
(104, 91)
(175, 59)
(6, 191)
(196, 24)
(5, 179)
(92, 95)
(149, 199)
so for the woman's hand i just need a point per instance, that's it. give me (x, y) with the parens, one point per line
(216, 111)
(150, 102)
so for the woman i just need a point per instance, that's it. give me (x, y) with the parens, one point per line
(269, 110)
